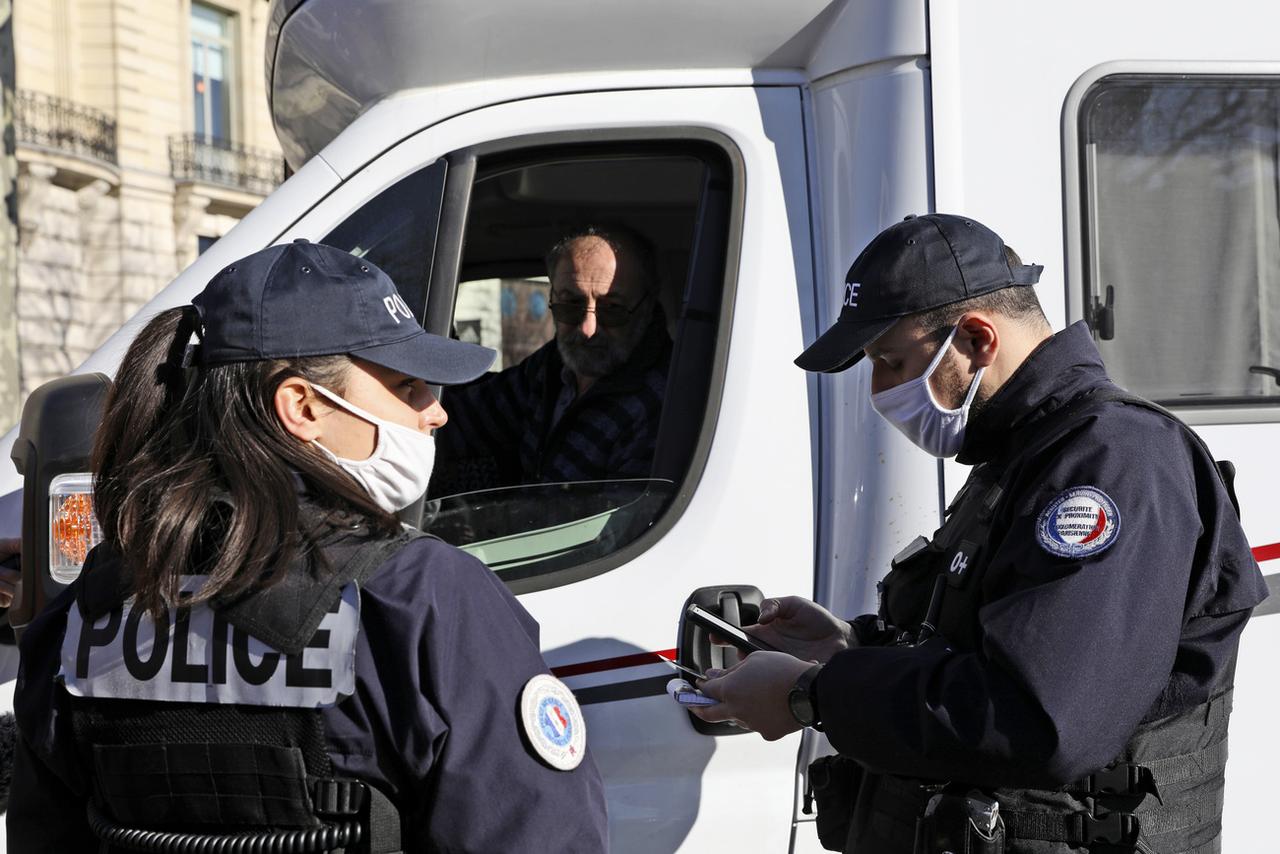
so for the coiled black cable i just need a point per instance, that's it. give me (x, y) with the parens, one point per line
(312, 840)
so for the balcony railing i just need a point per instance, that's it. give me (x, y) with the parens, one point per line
(64, 126)
(214, 161)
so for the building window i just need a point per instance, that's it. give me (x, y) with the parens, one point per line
(212, 61)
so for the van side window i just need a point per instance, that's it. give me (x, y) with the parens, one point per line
(600, 273)
(1182, 235)
(596, 272)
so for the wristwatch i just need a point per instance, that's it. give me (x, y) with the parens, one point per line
(803, 701)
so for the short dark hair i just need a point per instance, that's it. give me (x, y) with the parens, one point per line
(625, 242)
(1018, 302)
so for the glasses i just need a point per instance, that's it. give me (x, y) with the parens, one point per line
(607, 314)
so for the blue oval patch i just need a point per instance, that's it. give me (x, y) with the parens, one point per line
(1081, 522)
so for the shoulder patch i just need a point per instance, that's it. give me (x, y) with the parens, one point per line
(1082, 521)
(553, 722)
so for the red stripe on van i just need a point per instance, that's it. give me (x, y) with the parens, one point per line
(1260, 554)
(1265, 553)
(633, 660)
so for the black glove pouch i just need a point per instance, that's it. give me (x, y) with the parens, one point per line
(960, 823)
(833, 783)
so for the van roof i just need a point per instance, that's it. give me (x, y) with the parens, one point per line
(329, 60)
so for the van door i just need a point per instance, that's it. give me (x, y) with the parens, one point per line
(1180, 277)
(462, 215)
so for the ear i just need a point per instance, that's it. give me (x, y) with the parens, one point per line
(978, 338)
(297, 407)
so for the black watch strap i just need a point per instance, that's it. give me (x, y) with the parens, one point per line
(803, 699)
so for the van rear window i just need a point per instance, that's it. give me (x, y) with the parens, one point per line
(1182, 235)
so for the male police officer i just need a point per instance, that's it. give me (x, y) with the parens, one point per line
(1056, 663)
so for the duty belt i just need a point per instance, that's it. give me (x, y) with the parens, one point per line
(1105, 827)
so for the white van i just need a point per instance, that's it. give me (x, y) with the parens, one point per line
(1132, 148)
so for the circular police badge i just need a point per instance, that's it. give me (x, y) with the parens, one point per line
(1080, 522)
(553, 722)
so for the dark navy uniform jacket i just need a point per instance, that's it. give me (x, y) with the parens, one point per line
(443, 652)
(1074, 653)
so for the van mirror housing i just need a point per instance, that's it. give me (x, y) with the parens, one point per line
(55, 440)
(737, 603)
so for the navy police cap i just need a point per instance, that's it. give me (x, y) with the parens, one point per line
(308, 299)
(919, 264)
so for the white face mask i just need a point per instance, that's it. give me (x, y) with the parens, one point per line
(911, 408)
(396, 474)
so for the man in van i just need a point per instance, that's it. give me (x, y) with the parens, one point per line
(1054, 666)
(584, 406)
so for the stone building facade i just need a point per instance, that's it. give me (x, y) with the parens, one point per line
(142, 135)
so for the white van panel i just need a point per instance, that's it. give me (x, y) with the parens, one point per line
(877, 490)
(328, 61)
(398, 117)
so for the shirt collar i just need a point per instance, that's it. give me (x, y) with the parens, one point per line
(1059, 370)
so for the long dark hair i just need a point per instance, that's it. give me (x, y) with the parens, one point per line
(194, 473)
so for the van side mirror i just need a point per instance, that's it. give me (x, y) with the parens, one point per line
(55, 439)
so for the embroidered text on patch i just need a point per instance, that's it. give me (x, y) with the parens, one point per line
(1082, 521)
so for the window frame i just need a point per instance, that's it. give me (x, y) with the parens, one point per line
(1079, 218)
(446, 267)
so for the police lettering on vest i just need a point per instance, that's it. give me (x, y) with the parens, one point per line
(195, 655)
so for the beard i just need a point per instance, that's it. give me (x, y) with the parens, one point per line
(606, 351)
(954, 388)
(979, 405)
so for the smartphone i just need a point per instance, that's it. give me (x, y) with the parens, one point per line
(731, 633)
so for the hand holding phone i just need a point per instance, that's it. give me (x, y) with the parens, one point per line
(731, 633)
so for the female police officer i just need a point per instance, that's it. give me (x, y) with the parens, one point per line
(258, 650)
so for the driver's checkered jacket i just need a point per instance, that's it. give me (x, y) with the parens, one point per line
(524, 424)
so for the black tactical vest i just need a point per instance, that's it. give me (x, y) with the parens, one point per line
(192, 776)
(1164, 793)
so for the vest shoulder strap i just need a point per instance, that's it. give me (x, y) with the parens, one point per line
(1061, 421)
(961, 541)
(1225, 468)
(274, 615)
